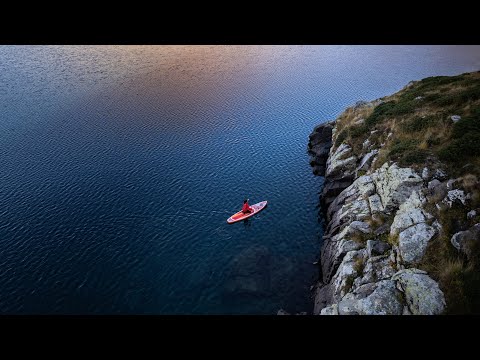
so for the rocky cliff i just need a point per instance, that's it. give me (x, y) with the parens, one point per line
(401, 200)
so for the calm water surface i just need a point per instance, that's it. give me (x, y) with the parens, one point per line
(120, 165)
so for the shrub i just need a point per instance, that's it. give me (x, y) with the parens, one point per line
(400, 146)
(466, 125)
(466, 146)
(379, 114)
(417, 123)
(415, 156)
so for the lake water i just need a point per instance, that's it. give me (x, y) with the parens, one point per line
(119, 166)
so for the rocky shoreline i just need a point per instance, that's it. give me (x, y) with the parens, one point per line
(379, 223)
(361, 273)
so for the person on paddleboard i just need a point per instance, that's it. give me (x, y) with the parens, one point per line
(246, 208)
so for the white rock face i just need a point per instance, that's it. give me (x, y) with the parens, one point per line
(367, 160)
(410, 213)
(339, 163)
(394, 185)
(455, 118)
(330, 310)
(454, 195)
(413, 242)
(423, 295)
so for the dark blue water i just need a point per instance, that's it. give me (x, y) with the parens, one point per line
(120, 165)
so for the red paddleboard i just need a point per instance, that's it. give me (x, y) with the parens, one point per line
(239, 216)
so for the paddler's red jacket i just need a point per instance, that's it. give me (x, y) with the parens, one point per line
(246, 208)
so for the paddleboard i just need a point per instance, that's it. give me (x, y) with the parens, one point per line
(239, 216)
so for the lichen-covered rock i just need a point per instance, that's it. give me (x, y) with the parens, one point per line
(413, 242)
(394, 185)
(340, 161)
(330, 310)
(463, 240)
(347, 271)
(410, 213)
(422, 294)
(376, 268)
(375, 203)
(385, 300)
(453, 196)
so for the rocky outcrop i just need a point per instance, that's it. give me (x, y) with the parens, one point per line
(377, 229)
(320, 141)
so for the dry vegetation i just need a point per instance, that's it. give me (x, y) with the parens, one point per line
(418, 119)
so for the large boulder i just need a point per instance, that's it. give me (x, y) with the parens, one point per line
(382, 298)
(413, 242)
(422, 294)
(464, 240)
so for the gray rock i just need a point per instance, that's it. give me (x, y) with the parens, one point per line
(410, 213)
(348, 307)
(385, 300)
(375, 203)
(360, 104)
(471, 214)
(360, 226)
(376, 268)
(330, 310)
(366, 144)
(363, 291)
(406, 311)
(339, 161)
(440, 174)
(422, 294)
(454, 196)
(425, 173)
(394, 184)
(413, 242)
(451, 183)
(455, 118)
(419, 98)
(377, 247)
(463, 240)
(434, 183)
(367, 160)
(323, 297)
(282, 312)
(359, 121)
(347, 271)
